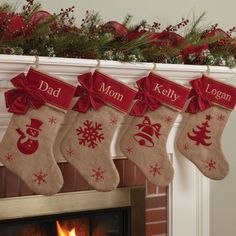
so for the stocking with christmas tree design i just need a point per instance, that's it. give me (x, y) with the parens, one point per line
(144, 142)
(99, 110)
(39, 103)
(203, 123)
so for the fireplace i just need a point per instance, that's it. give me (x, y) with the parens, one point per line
(88, 213)
(109, 222)
(167, 209)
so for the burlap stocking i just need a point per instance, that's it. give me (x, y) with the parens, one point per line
(203, 123)
(144, 142)
(65, 126)
(26, 147)
(87, 146)
(87, 143)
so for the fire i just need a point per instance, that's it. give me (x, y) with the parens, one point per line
(64, 232)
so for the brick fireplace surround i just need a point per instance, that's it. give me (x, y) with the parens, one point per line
(130, 176)
(181, 209)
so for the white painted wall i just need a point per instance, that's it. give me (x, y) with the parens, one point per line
(222, 193)
(164, 11)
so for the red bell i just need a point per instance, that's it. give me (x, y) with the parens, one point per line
(144, 139)
(147, 131)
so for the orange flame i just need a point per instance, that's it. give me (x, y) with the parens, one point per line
(63, 232)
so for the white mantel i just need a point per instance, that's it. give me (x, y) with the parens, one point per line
(189, 197)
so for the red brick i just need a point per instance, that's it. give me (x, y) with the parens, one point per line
(61, 166)
(156, 215)
(163, 189)
(2, 181)
(12, 184)
(154, 229)
(69, 178)
(154, 202)
(80, 183)
(119, 163)
(24, 189)
(151, 188)
(129, 173)
(140, 177)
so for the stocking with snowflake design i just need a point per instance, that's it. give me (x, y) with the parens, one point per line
(39, 103)
(100, 108)
(203, 123)
(144, 142)
(64, 128)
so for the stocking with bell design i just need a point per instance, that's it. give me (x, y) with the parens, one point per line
(144, 142)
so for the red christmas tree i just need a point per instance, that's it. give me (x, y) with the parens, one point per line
(200, 136)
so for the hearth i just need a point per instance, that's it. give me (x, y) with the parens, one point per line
(109, 222)
(89, 213)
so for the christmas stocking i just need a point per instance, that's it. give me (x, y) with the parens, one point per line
(144, 142)
(65, 126)
(203, 124)
(87, 143)
(39, 103)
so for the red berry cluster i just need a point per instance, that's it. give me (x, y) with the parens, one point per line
(174, 28)
(65, 17)
(27, 9)
(231, 31)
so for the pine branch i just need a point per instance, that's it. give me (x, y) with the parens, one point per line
(195, 32)
(127, 20)
(209, 40)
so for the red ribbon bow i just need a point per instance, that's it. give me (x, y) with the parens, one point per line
(25, 95)
(199, 101)
(88, 97)
(145, 99)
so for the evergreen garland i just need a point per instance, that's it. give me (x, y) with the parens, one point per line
(37, 32)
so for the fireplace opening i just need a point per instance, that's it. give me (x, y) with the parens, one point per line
(107, 222)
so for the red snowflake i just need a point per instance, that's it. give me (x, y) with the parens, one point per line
(40, 177)
(186, 147)
(113, 121)
(168, 119)
(98, 174)
(210, 164)
(70, 152)
(90, 135)
(52, 120)
(8, 157)
(155, 169)
(129, 150)
(220, 117)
